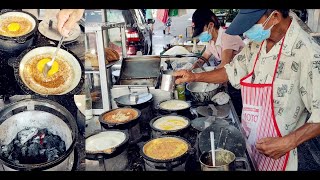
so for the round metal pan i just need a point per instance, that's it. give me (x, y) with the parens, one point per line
(108, 152)
(19, 43)
(76, 85)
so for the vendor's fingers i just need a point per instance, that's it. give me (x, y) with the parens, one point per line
(260, 147)
(180, 80)
(263, 140)
(72, 22)
(62, 18)
(179, 73)
(194, 66)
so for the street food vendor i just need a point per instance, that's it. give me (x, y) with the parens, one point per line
(278, 74)
(221, 47)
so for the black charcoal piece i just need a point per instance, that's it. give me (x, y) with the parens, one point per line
(41, 147)
(33, 150)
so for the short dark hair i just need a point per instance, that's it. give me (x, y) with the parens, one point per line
(215, 21)
(204, 17)
(284, 12)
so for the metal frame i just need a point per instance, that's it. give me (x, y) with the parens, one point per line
(104, 72)
(235, 120)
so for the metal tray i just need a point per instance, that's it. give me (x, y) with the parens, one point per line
(140, 67)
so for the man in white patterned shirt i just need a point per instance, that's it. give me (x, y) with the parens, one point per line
(279, 74)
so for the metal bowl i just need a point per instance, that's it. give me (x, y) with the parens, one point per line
(201, 91)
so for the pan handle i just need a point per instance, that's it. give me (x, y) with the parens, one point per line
(245, 162)
(13, 62)
(168, 166)
(101, 163)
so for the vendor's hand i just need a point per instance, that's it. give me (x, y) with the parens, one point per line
(199, 61)
(274, 147)
(184, 76)
(67, 20)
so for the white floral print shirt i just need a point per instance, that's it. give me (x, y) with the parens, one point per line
(296, 88)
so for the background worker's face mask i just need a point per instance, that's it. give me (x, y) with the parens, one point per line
(205, 36)
(257, 33)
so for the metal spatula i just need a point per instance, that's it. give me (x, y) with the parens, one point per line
(49, 64)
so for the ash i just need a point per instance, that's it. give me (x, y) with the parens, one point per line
(33, 146)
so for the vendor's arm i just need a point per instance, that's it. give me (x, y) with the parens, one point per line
(233, 72)
(226, 57)
(215, 76)
(309, 80)
(230, 46)
(207, 54)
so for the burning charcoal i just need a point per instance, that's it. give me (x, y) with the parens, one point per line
(52, 154)
(36, 140)
(48, 142)
(42, 146)
(24, 151)
(16, 142)
(33, 150)
(62, 146)
(27, 134)
(4, 149)
(16, 154)
(43, 131)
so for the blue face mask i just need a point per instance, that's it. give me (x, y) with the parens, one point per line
(205, 36)
(257, 33)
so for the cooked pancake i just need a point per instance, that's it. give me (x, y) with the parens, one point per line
(15, 26)
(174, 105)
(104, 141)
(170, 123)
(58, 80)
(165, 148)
(121, 115)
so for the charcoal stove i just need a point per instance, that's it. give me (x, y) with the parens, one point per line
(39, 113)
(112, 156)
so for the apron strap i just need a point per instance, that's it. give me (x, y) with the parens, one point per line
(277, 63)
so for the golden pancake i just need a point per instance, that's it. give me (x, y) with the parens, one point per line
(121, 115)
(165, 148)
(170, 123)
(15, 26)
(58, 80)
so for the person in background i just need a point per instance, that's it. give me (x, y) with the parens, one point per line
(150, 19)
(67, 20)
(167, 26)
(221, 47)
(278, 73)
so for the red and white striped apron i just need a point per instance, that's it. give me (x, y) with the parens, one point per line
(258, 118)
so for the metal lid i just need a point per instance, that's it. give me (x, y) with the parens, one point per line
(134, 99)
